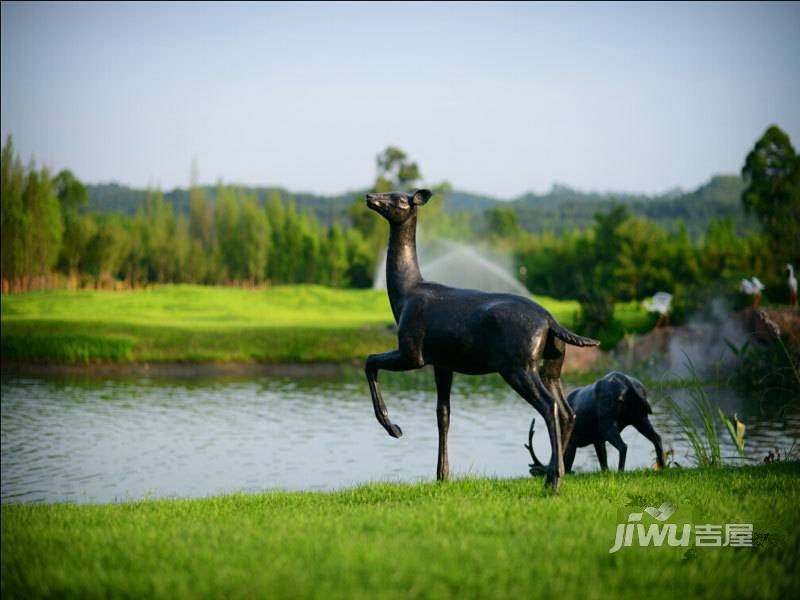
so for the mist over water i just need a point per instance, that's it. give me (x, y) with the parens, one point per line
(702, 344)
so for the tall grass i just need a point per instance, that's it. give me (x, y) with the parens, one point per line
(72, 348)
(704, 439)
(768, 368)
(699, 424)
(790, 360)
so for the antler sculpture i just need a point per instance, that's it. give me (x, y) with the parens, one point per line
(537, 469)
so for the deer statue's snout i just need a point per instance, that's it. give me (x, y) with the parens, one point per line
(375, 202)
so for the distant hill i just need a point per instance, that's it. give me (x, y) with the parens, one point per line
(560, 209)
(561, 194)
(467, 201)
(564, 208)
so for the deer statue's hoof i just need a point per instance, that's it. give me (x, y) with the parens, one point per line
(395, 431)
(553, 479)
(553, 484)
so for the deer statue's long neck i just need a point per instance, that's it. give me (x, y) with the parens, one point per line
(402, 268)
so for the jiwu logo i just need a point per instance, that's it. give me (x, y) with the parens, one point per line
(634, 532)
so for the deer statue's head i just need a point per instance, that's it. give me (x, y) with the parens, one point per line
(397, 207)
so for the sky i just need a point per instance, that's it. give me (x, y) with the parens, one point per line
(495, 98)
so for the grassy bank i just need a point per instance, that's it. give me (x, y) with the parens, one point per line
(469, 538)
(195, 323)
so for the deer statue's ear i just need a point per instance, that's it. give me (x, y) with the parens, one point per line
(420, 197)
(640, 393)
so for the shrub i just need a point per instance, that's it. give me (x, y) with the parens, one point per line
(76, 348)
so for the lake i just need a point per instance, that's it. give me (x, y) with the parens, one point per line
(107, 440)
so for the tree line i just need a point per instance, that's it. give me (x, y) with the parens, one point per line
(231, 239)
(622, 257)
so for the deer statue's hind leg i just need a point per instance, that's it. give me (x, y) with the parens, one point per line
(550, 372)
(444, 380)
(389, 361)
(526, 383)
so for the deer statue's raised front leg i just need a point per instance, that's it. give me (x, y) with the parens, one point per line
(389, 361)
(444, 381)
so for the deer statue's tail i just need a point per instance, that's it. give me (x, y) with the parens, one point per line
(567, 336)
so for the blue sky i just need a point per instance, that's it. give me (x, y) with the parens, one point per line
(495, 98)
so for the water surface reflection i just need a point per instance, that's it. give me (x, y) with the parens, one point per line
(99, 441)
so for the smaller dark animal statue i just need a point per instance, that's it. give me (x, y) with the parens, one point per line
(603, 409)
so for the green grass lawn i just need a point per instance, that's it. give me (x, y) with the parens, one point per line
(302, 323)
(475, 538)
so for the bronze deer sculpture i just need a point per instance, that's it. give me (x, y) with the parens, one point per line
(470, 332)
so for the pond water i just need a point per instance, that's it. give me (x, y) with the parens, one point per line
(113, 440)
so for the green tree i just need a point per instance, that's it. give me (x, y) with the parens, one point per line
(335, 254)
(226, 215)
(722, 252)
(310, 246)
(182, 246)
(502, 223)
(276, 218)
(160, 239)
(435, 222)
(683, 257)
(201, 219)
(72, 194)
(641, 266)
(607, 241)
(254, 237)
(43, 239)
(772, 174)
(360, 259)
(395, 171)
(135, 266)
(200, 250)
(197, 267)
(78, 231)
(13, 218)
(292, 263)
(108, 249)
(78, 234)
